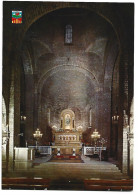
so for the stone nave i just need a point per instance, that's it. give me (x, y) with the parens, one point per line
(67, 97)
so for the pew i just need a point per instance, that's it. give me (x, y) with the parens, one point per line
(107, 185)
(25, 183)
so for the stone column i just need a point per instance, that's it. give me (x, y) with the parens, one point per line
(11, 125)
(131, 139)
(29, 109)
(4, 136)
(35, 110)
(17, 102)
(125, 144)
(131, 145)
(4, 151)
(48, 116)
(39, 116)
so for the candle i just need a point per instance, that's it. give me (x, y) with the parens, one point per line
(90, 120)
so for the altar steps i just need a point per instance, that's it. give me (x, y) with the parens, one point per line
(99, 169)
(91, 168)
(71, 176)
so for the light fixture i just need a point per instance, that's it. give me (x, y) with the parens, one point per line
(23, 118)
(95, 135)
(115, 117)
(37, 134)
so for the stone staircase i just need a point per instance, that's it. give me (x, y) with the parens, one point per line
(90, 169)
(71, 176)
(79, 171)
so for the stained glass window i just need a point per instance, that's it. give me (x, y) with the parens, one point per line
(68, 34)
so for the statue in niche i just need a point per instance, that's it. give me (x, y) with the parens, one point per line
(67, 121)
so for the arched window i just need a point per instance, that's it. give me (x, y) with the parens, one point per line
(68, 34)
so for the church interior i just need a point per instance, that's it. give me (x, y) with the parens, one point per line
(67, 96)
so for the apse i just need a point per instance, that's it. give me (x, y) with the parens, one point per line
(68, 89)
(73, 75)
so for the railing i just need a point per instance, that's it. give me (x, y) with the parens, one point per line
(43, 149)
(93, 150)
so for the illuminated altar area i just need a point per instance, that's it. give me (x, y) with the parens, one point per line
(67, 139)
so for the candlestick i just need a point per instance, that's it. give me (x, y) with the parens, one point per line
(90, 120)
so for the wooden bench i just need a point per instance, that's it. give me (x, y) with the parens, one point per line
(105, 185)
(25, 183)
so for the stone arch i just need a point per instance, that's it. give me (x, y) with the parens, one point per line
(42, 49)
(54, 70)
(35, 11)
(27, 62)
(66, 67)
(39, 10)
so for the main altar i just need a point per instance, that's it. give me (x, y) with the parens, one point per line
(67, 139)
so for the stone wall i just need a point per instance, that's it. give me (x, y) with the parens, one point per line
(74, 76)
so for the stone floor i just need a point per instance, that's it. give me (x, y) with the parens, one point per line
(71, 175)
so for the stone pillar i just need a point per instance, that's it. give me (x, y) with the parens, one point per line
(48, 116)
(35, 111)
(39, 116)
(4, 151)
(29, 103)
(131, 145)
(131, 139)
(17, 89)
(125, 144)
(4, 136)
(11, 125)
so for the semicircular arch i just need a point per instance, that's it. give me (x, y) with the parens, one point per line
(56, 69)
